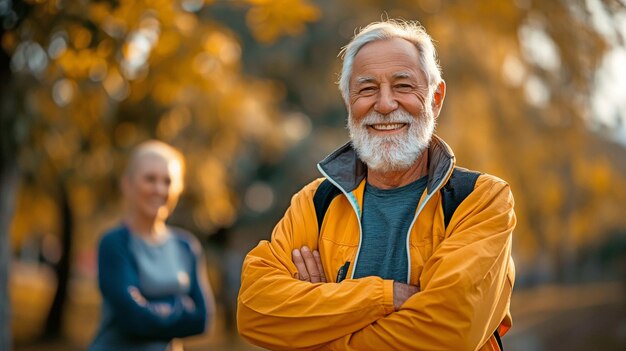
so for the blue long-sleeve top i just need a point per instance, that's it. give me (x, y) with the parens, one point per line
(165, 274)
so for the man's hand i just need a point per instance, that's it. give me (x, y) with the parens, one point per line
(402, 292)
(309, 265)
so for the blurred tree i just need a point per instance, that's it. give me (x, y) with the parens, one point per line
(11, 139)
(521, 76)
(527, 77)
(91, 79)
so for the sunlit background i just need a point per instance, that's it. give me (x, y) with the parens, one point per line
(246, 89)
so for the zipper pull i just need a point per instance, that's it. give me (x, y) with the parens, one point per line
(343, 271)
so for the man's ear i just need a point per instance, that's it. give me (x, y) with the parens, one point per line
(438, 96)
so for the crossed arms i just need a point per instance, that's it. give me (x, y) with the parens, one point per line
(310, 269)
(465, 286)
(171, 317)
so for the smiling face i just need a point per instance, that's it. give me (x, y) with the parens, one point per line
(152, 186)
(392, 111)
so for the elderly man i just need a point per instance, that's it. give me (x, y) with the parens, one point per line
(394, 248)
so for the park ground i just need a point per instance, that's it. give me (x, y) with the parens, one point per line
(573, 318)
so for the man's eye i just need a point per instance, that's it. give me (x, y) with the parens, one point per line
(404, 86)
(367, 89)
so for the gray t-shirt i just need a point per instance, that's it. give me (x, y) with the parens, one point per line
(163, 268)
(387, 216)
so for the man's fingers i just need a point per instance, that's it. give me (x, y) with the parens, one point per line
(320, 268)
(311, 266)
(414, 289)
(303, 273)
(402, 292)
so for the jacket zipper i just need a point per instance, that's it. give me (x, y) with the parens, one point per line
(417, 213)
(355, 207)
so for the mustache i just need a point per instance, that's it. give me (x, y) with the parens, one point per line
(397, 116)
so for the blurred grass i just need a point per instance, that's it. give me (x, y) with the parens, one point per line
(573, 318)
(32, 290)
(583, 317)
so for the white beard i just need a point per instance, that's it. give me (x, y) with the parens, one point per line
(394, 152)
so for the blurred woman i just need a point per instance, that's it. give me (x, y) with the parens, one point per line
(151, 275)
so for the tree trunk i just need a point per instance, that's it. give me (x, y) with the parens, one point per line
(9, 179)
(54, 321)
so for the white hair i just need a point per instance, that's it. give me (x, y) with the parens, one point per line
(408, 30)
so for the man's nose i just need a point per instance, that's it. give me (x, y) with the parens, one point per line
(386, 102)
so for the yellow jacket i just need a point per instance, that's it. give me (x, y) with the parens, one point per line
(464, 271)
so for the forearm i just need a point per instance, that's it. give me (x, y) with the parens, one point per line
(459, 309)
(153, 319)
(425, 324)
(189, 322)
(466, 286)
(277, 311)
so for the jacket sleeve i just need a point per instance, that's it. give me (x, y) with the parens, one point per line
(465, 285)
(116, 274)
(279, 312)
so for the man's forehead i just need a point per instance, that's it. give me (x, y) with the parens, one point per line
(395, 56)
(380, 47)
(396, 75)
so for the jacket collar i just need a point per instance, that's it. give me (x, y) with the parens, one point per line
(344, 168)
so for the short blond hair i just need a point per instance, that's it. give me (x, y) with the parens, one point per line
(160, 149)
